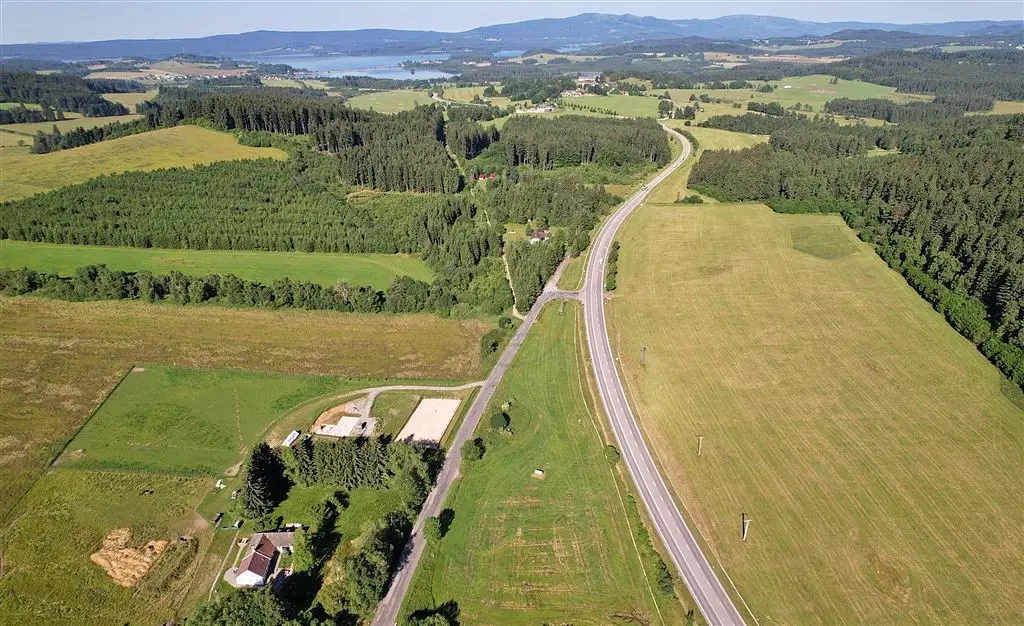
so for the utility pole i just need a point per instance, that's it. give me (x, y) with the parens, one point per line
(746, 525)
(643, 355)
(700, 443)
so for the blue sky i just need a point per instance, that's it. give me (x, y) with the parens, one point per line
(85, 20)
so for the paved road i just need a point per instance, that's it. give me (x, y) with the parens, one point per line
(387, 612)
(686, 554)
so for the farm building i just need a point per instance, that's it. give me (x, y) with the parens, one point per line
(587, 79)
(262, 562)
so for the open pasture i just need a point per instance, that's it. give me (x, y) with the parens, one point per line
(181, 146)
(131, 99)
(377, 270)
(189, 421)
(71, 122)
(48, 575)
(527, 550)
(869, 442)
(390, 101)
(60, 359)
(624, 105)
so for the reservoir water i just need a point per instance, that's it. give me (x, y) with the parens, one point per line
(375, 66)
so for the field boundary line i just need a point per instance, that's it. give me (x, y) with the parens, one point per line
(67, 443)
(598, 424)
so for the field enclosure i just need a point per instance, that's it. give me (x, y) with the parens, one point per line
(61, 358)
(523, 549)
(868, 441)
(376, 270)
(27, 174)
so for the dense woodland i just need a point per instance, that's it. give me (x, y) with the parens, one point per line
(546, 143)
(946, 211)
(65, 93)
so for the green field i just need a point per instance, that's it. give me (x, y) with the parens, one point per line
(377, 270)
(14, 105)
(189, 421)
(49, 578)
(182, 146)
(60, 359)
(869, 442)
(72, 121)
(390, 101)
(131, 99)
(814, 90)
(627, 106)
(527, 551)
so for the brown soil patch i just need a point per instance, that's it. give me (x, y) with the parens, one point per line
(136, 370)
(124, 564)
(233, 470)
(69, 455)
(335, 413)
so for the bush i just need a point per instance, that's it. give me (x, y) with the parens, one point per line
(691, 199)
(432, 529)
(490, 342)
(473, 450)
(500, 420)
(611, 454)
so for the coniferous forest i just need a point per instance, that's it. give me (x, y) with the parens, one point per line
(65, 93)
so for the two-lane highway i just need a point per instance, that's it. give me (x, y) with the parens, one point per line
(709, 594)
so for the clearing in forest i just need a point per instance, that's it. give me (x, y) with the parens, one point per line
(390, 101)
(868, 441)
(181, 146)
(375, 270)
(526, 551)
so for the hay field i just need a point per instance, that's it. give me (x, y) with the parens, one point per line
(625, 105)
(49, 578)
(522, 550)
(390, 101)
(23, 175)
(131, 99)
(1002, 107)
(61, 358)
(869, 442)
(377, 270)
(71, 122)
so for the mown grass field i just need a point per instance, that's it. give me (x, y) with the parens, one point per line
(60, 359)
(465, 94)
(377, 270)
(527, 551)
(625, 105)
(1003, 107)
(182, 146)
(868, 441)
(814, 90)
(131, 99)
(390, 101)
(72, 121)
(189, 421)
(48, 577)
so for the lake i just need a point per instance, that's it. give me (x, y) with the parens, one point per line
(376, 66)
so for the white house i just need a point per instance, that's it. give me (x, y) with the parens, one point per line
(260, 564)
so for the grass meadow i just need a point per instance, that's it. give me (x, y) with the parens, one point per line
(526, 551)
(869, 442)
(60, 359)
(132, 98)
(625, 105)
(48, 577)
(390, 101)
(189, 421)
(182, 146)
(1003, 107)
(72, 121)
(377, 270)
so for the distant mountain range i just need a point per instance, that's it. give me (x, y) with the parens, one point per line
(580, 30)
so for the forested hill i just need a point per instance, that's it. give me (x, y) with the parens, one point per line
(947, 211)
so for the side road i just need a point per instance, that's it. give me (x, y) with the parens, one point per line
(387, 612)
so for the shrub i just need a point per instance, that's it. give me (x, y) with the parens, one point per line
(500, 420)
(473, 450)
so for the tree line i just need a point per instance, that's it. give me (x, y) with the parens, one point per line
(945, 212)
(23, 115)
(546, 143)
(64, 92)
(530, 266)
(81, 136)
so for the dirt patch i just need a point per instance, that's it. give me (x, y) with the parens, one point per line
(137, 370)
(199, 523)
(335, 413)
(126, 565)
(69, 455)
(233, 470)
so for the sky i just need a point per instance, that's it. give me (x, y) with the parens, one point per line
(24, 21)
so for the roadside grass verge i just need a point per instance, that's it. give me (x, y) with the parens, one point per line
(376, 270)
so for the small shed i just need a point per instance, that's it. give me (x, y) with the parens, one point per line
(290, 439)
